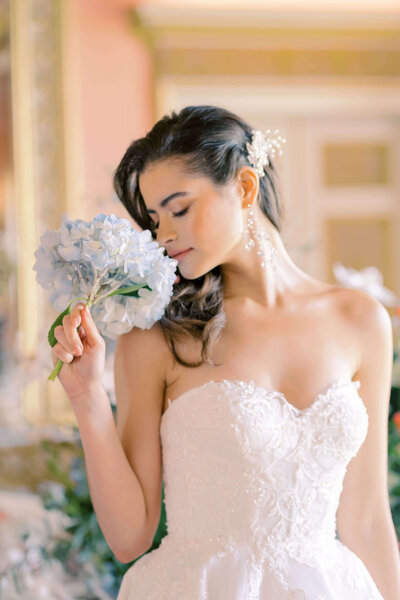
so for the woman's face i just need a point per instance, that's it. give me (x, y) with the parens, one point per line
(199, 216)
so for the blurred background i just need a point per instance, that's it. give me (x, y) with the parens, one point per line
(79, 81)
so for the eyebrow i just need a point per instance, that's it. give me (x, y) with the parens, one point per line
(168, 199)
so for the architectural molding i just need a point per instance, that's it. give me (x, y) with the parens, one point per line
(39, 172)
(194, 41)
(256, 17)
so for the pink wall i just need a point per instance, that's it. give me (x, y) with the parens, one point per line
(115, 94)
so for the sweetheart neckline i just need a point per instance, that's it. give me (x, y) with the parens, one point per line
(355, 383)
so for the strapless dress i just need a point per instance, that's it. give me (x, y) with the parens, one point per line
(252, 486)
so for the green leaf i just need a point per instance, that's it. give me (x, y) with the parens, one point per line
(132, 290)
(58, 321)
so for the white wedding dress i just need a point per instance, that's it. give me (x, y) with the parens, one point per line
(252, 486)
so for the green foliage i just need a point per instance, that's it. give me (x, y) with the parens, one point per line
(85, 541)
(394, 459)
(394, 474)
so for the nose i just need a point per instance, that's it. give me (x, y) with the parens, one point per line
(165, 233)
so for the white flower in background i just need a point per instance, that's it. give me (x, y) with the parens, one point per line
(369, 280)
(123, 274)
(28, 569)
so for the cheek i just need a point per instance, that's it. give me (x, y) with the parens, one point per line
(201, 228)
(218, 225)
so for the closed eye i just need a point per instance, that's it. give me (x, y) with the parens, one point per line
(178, 214)
(181, 212)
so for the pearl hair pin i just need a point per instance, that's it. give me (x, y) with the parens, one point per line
(262, 147)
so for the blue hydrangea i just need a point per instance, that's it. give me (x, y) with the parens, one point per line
(90, 260)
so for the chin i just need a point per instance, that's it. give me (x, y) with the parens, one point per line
(194, 273)
(192, 276)
(188, 277)
(187, 274)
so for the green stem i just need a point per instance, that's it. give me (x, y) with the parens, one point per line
(90, 303)
(55, 371)
(60, 363)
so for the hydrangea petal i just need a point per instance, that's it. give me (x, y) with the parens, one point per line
(129, 256)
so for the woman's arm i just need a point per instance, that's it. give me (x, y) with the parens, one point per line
(115, 491)
(364, 518)
(123, 459)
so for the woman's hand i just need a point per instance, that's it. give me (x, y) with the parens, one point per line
(83, 353)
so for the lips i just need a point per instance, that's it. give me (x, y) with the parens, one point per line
(181, 255)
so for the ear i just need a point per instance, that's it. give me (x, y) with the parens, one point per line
(248, 185)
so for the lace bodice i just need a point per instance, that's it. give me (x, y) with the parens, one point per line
(249, 475)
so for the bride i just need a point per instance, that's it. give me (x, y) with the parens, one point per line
(260, 398)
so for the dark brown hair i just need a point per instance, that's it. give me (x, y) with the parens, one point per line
(210, 141)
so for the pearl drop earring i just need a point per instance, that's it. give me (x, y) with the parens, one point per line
(253, 229)
(263, 146)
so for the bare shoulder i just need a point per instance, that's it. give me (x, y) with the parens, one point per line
(141, 362)
(362, 311)
(151, 338)
(145, 345)
(367, 321)
(147, 338)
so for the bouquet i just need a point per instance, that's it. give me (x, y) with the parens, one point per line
(124, 276)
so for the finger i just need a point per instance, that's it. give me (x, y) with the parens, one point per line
(70, 323)
(60, 335)
(59, 352)
(93, 336)
(76, 313)
(55, 359)
(74, 343)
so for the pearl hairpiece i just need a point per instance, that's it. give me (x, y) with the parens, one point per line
(262, 147)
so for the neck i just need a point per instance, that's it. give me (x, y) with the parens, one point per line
(244, 277)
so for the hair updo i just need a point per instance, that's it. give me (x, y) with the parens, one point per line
(209, 141)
